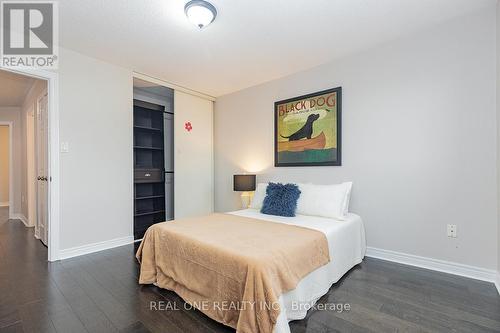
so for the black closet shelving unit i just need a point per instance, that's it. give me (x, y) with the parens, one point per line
(149, 166)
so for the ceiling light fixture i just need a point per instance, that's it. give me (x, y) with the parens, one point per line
(200, 12)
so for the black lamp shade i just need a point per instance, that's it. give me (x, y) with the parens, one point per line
(244, 182)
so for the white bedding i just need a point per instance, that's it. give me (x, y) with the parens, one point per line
(347, 246)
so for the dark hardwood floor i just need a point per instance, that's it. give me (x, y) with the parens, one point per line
(99, 293)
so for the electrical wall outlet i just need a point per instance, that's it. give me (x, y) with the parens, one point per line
(451, 230)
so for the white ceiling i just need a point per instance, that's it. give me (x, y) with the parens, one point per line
(13, 88)
(250, 42)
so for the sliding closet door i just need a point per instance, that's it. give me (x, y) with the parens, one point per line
(193, 158)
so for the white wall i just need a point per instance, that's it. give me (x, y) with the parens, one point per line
(498, 140)
(97, 173)
(4, 165)
(419, 139)
(95, 106)
(14, 114)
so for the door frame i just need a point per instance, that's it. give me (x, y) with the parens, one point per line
(53, 219)
(164, 83)
(11, 188)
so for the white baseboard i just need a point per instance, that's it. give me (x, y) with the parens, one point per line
(473, 272)
(94, 247)
(18, 216)
(4, 204)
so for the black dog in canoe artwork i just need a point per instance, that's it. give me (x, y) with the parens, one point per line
(305, 131)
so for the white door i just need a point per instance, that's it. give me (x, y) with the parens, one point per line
(31, 172)
(41, 229)
(193, 155)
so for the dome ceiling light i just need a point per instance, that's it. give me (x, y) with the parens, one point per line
(199, 12)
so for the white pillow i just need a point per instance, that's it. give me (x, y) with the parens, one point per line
(347, 198)
(324, 200)
(258, 196)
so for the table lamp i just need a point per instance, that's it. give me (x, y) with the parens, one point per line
(245, 184)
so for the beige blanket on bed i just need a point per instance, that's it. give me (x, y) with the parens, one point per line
(231, 268)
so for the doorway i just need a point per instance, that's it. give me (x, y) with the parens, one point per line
(31, 175)
(5, 163)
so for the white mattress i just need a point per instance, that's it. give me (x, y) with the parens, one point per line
(347, 246)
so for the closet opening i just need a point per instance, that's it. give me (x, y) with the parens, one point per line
(153, 110)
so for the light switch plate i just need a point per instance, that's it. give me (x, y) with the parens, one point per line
(64, 147)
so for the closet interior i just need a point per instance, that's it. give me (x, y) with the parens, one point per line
(153, 155)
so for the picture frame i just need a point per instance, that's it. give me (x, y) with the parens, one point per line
(308, 130)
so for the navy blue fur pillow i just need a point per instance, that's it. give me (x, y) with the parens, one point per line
(280, 200)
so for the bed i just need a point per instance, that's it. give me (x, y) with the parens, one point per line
(345, 246)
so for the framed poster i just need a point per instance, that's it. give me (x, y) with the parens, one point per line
(307, 129)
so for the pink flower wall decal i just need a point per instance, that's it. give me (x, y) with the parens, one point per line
(188, 126)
